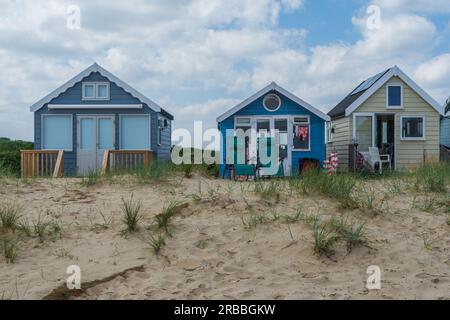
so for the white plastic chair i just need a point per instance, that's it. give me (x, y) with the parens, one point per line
(375, 158)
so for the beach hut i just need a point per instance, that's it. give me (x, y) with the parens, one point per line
(93, 122)
(390, 112)
(299, 126)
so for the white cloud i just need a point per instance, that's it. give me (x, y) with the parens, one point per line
(199, 58)
(439, 6)
(435, 71)
(397, 34)
(291, 5)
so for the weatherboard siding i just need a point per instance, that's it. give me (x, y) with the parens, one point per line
(445, 132)
(409, 154)
(341, 141)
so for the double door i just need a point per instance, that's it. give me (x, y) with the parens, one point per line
(95, 135)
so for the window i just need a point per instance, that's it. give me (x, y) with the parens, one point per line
(272, 102)
(363, 133)
(57, 132)
(413, 127)
(330, 131)
(281, 125)
(263, 127)
(89, 91)
(135, 132)
(301, 133)
(106, 133)
(102, 91)
(395, 96)
(243, 121)
(95, 91)
(243, 124)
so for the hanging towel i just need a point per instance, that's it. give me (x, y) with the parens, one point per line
(301, 132)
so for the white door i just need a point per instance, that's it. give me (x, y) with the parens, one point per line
(95, 135)
(105, 137)
(283, 125)
(266, 127)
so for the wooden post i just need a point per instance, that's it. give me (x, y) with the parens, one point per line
(22, 167)
(105, 163)
(59, 166)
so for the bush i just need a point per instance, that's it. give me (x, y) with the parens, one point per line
(10, 155)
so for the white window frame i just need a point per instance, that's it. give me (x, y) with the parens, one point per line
(135, 115)
(265, 98)
(423, 138)
(96, 85)
(365, 114)
(394, 84)
(43, 116)
(329, 132)
(309, 132)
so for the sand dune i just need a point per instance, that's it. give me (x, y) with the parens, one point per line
(210, 254)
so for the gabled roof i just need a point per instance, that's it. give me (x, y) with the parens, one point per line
(367, 88)
(273, 87)
(95, 68)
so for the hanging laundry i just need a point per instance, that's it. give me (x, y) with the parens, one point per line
(301, 132)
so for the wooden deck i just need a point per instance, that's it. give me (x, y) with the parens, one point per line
(50, 163)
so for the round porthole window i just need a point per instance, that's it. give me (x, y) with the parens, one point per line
(272, 102)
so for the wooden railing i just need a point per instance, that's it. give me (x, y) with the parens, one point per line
(42, 163)
(125, 160)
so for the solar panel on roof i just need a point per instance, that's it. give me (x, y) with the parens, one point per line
(368, 83)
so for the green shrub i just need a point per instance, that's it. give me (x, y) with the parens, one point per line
(10, 155)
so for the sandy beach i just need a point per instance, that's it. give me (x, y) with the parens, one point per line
(226, 242)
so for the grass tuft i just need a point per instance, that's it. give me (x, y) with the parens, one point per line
(164, 218)
(432, 177)
(324, 239)
(10, 215)
(93, 177)
(9, 248)
(157, 243)
(354, 235)
(131, 214)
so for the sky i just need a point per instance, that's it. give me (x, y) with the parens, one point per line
(199, 58)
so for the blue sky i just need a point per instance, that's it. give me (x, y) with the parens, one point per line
(199, 58)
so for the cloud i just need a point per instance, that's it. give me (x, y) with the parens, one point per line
(291, 5)
(437, 6)
(435, 71)
(199, 58)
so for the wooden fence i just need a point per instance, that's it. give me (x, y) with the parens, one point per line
(126, 160)
(42, 163)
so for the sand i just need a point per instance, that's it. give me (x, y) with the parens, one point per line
(210, 254)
